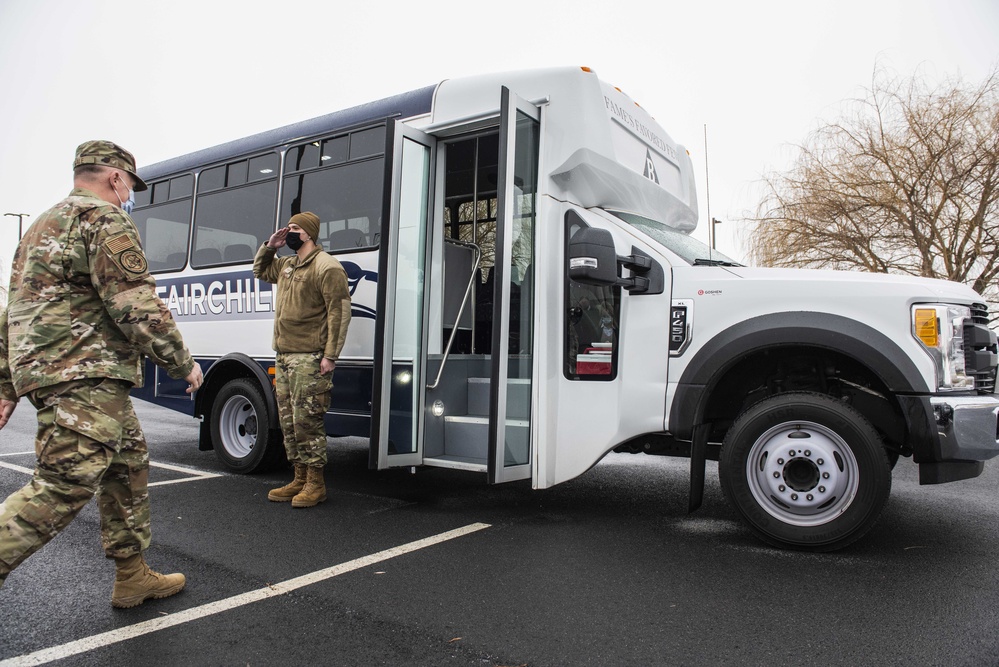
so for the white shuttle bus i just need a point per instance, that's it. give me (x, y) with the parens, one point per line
(527, 298)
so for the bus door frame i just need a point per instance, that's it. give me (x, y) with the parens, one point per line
(396, 395)
(398, 386)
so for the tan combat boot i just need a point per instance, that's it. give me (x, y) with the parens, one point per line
(135, 583)
(314, 491)
(289, 491)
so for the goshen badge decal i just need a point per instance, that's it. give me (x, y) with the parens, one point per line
(133, 261)
(708, 292)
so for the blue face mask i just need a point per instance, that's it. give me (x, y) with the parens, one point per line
(129, 203)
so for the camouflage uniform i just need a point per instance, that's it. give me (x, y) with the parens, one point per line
(312, 313)
(83, 310)
(303, 397)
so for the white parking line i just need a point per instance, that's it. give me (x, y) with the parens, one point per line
(11, 466)
(194, 475)
(154, 625)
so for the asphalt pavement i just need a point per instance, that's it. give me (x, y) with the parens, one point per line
(439, 568)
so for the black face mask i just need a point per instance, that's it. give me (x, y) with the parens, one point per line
(294, 240)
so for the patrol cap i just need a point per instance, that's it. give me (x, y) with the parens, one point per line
(108, 154)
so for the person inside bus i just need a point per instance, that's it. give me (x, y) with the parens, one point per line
(83, 311)
(311, 316)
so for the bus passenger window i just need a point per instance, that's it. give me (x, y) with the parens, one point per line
(229, 221)
(367, 142)
(182, 186)
(263, 167)
(163, 229)
(347, 198)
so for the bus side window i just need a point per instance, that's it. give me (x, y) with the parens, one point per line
(231, 223)
(342, 184)
(592, 314)
(164, 223)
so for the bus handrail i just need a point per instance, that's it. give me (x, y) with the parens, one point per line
(461, 308)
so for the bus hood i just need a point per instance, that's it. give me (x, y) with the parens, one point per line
(814, 286)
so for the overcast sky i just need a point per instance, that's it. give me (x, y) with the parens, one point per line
(164, 78)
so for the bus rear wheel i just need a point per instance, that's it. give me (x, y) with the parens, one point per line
(239, 427)
(805, 471)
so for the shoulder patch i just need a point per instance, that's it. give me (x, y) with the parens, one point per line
(133, 261)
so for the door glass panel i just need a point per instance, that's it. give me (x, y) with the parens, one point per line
(520, 272)
(407, 332)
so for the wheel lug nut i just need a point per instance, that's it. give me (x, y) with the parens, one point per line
(819, 461)
(776, 475)
(794, 496)
(809, 497)
(780, 462)
(808, 452)
(822, 489)
(825, 475)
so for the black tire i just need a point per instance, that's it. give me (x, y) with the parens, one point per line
(805, 471)
(239, 426)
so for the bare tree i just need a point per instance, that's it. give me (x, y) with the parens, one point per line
(907, 181)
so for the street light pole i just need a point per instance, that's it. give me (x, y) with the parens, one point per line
(20, 217)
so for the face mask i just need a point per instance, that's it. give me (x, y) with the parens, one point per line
(129, 203)
(294, 240)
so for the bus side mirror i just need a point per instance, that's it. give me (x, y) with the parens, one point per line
(592, 258)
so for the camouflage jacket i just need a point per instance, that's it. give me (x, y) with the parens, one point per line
(82, 302)
(312, 309)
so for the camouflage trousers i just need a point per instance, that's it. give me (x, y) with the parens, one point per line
(89, 442)
(303, 397)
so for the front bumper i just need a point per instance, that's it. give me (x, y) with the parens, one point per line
(966, 426)
(951, 436)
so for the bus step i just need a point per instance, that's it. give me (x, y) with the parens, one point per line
(518, 397)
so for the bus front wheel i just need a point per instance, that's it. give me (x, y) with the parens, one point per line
(805, 471)
(239, 426)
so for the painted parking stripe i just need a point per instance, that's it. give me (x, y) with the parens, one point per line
(155, 625)
(11, 466)
(193, 475)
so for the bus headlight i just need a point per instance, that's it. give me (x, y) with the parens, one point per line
(940, 328)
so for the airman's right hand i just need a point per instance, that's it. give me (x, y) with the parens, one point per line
(277, 238)
(194, 378)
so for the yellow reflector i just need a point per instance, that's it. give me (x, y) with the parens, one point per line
(586, 69)
(926, 326)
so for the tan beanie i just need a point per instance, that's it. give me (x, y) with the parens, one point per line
(309, 222)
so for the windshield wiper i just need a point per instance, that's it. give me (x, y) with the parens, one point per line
(700, 261)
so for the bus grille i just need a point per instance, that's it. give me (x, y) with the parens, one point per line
(981, 354)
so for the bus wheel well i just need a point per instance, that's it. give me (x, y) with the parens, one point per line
(766, 373)
(221, 373)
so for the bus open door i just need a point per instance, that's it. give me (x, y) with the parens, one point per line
(432, 404)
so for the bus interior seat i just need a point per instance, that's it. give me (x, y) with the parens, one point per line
(238, 252)
(206, 256)
(343, 239)
(175, 260)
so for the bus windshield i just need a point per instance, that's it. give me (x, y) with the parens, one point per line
(690, 249)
